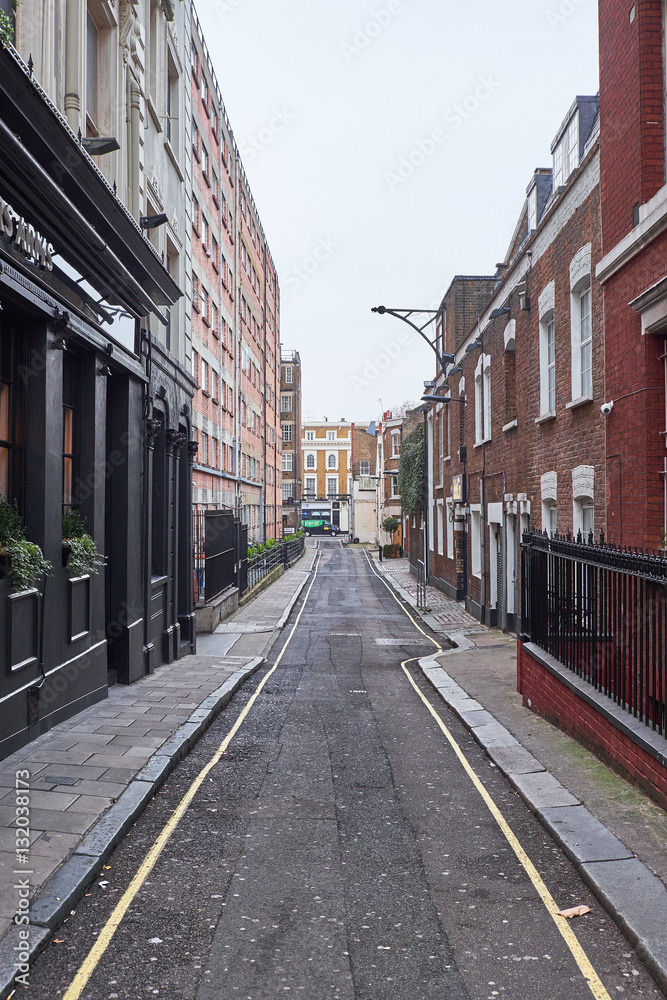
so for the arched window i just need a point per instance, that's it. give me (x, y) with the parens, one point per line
(310, 461)
(331, 461)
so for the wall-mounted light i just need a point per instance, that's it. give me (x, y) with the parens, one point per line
(475, 346)
(153, 221)
(59, 344)
(500, 311)
(100, 144)
(105, 371)
(455, 370)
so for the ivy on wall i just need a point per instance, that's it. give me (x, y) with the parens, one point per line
(411, 472)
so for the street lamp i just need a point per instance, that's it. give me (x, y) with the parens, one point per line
(405, 316)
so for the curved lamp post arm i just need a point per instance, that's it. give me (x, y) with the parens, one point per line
(405, 314)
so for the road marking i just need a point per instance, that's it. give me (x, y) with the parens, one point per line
(105, 936)
(581, 958)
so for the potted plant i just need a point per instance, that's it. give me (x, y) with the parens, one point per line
(24, 561)
(390, 525)
(80, 553)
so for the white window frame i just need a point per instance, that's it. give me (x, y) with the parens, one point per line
(311, 486)
(547, 367)
(310, 435)
(288, 490)
(395, 444)
(580, 345)
(476, 540)
(394, 486)
(286, 404)
(311, 460)
(332, 491)
(288, 431)
(332, 465)
(441, 527)
(288, 374)
(331, 435)
(483, 400)
(573, 143)
(287, 461)
(450, 526)
(532, 209)
(549, 495)
(583, 497)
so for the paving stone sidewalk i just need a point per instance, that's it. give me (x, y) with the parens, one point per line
(444, 615)
(90, 777)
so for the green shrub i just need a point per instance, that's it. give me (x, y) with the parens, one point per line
(84, 558)
(391, 524)
(391, 551)
(26, 559)
(412, 473)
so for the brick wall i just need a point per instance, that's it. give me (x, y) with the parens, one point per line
(549, 697)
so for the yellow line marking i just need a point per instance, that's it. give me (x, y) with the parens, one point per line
(105, 936)
(581, 958)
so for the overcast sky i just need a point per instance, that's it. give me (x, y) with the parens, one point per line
(388, 146)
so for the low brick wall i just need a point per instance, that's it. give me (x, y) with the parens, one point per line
(632, 749)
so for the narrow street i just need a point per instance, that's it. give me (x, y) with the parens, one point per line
(339, 848)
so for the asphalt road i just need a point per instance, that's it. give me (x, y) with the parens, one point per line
(339, 849)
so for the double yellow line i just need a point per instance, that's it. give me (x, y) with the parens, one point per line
(105, 936)
(581, 958)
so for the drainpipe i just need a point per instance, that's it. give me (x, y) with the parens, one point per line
(74, 47)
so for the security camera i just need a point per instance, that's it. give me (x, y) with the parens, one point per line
(606, 408)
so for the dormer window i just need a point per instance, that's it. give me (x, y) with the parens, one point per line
(532, 210)
(558, 166)
(566, 153)
(573, 143)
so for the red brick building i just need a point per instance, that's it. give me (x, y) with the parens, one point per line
(633, 268)
(521, 443)
(236, 324)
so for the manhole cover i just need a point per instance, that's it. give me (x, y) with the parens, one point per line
(56, 779)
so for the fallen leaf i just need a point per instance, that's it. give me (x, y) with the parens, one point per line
(574, 911)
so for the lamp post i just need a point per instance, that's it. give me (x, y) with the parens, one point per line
(405, 315)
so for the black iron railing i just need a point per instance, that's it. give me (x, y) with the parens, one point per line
(602, 612)
(280, 554)
(220, 543)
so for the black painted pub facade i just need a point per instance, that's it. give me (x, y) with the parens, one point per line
(94, 414)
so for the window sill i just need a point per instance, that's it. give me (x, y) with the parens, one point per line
(581, 401)
(478, 444)
(174, 159)
(447, 458)
(546, 417)
(510, 426)
(150, 104)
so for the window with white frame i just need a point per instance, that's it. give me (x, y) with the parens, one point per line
(549, 490)
(476, 540)
(288, 374)
(364, 468)
(311, 461)
(450, 527)
(547, 350)
(288, 490)
(441, 528)
(583, 493)
(581, 324)
(287, 461)
(532, 209)
(331, 435)
(287, 432)
(332, 486)
(311, 486)
(285, 404)
(483, 399)
(395, 444)
(332, 460)
(573, 143)
(310, 435)
(559, 178)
